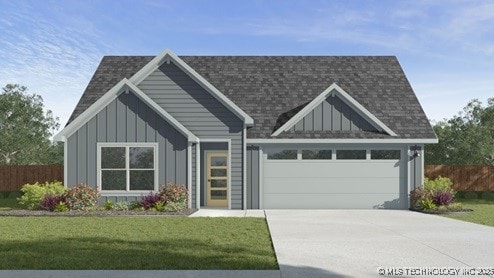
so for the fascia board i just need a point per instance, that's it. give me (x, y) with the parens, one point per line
(346, 98)
(108, 97)
(169, 118)
(343, 141)
(92, 110)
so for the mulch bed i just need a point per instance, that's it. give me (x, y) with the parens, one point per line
(23, 212)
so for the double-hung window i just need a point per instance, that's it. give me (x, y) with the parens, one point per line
(127, 167)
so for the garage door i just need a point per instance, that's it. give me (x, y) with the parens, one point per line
(332, 178)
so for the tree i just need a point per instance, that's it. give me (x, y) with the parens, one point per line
(467, 138)
(25, 128)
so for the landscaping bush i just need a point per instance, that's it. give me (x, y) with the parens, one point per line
(471, 195)
(174, 193)
(34, 194)
(81, 197)
(436, 194)
(488, 195)
(169, 198)
(108, 205)
(149, 201)
(443, 198)
(427, 204)
(417, 195)
(122, 206)
(440, 183)
(50, 202)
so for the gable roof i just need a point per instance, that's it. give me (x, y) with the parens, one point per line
(272, 89)
(111, 95)
(334, 89)
(166, 57)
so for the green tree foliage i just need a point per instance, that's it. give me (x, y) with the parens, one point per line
(467, 138)
(25, 129)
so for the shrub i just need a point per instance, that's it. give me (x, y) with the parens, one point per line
(50, 202)
(455, 207)
(427, 204)
(471, 195)
(159, 206)
(174, 206)
(174, 193)
(122, 206)
(443, 198)
(34, 194)
(488, 195)
(108, 205)
(149, 201)
(417, 195)
(134, 205)
(440, 183)
(82, 197)
(61, 207)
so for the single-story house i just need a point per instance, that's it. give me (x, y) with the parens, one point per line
(248, 132)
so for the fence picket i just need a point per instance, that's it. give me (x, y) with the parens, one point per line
(13, 177)
(464, 177)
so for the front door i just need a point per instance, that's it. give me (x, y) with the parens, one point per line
(217, 179)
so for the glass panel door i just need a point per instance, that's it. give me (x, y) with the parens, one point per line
(217, 179)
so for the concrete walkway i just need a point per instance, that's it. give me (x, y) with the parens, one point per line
(359, 243)
(228, 213)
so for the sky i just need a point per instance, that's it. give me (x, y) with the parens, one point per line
(446, 48)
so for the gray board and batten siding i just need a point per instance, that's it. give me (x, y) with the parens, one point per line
(333, 115)
(200, 113)
(126, 119)
(253, 175)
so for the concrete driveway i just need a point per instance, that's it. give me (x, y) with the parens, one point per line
(346, 243)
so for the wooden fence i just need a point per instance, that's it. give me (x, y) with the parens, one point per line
(13, 177)
(464, 177)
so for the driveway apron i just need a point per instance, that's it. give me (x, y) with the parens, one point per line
(361, 243)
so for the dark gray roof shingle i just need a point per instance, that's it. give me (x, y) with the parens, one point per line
(272, 88)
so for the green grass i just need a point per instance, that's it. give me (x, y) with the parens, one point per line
(135, 243)
(483, 211)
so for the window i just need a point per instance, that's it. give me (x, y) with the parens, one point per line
(284, 154)
(385, 154)
(350, 154)
(316, 154)
(128, 167)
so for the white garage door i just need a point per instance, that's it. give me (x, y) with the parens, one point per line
(332, 178)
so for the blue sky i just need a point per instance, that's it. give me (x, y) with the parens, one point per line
(445, 47)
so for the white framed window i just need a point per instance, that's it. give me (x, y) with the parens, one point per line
(317, 154)
(127, 167)
(282, 154)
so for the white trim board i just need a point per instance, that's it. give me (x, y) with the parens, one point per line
(127, 145)
(342, 141)
(111, 95)
(334, 89)
(168, 56)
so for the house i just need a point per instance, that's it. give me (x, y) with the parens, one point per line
(246, 132)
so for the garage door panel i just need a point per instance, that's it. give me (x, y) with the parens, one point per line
(335, 201)
(332, 185)
(330, 169)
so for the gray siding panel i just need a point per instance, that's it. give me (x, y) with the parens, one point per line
(194, 180)
(416, 169)
(333, 114)
(252, 177)
(200, 113)
(127, 119)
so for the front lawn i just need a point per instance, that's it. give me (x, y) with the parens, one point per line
(146, 242)
(483, 211)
